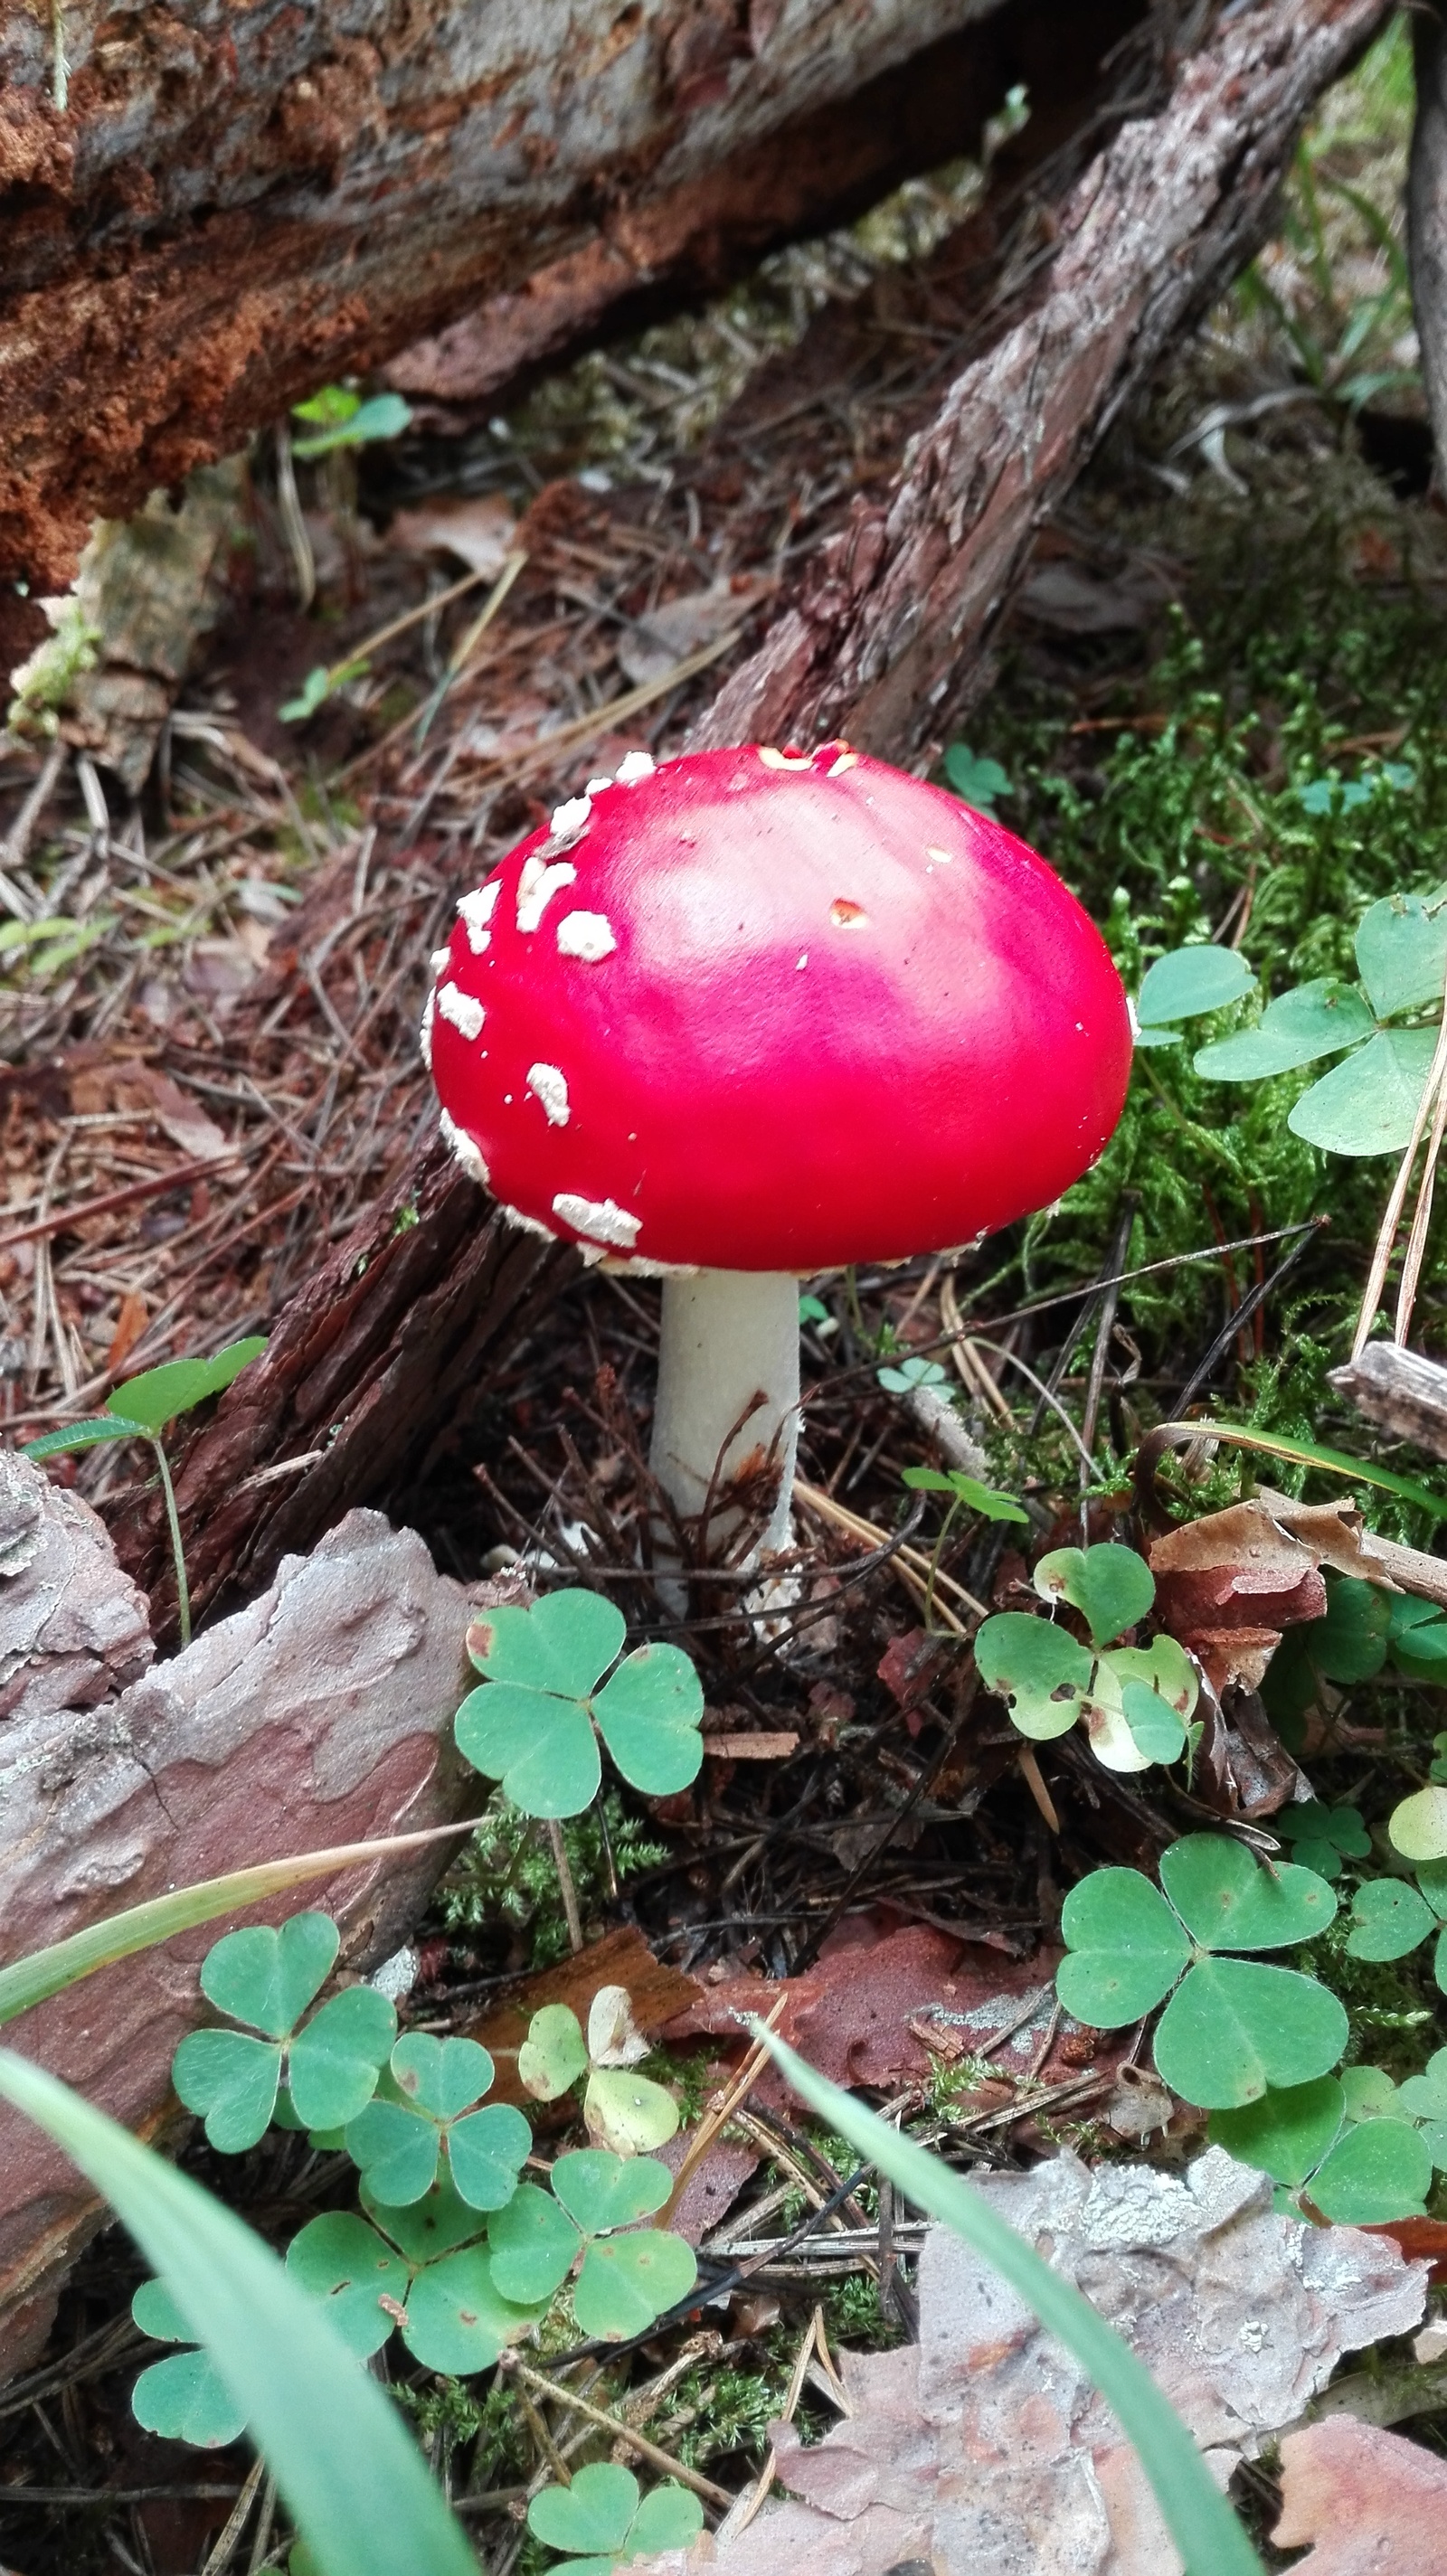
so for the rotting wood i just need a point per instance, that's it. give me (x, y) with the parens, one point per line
(1400, 1391)
(890, 626)
(371, 1368)
(227, 206)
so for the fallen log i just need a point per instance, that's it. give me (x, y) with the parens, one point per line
(318, 1716)
(891, 623)
(382, 1356)
(209, 211)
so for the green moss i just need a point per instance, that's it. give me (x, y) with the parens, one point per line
(505, 1878)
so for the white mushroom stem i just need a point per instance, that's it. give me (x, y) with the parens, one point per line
(729, 1348)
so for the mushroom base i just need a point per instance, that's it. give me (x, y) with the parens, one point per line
(727, 1406)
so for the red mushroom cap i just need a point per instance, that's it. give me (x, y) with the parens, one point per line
(756, 1010)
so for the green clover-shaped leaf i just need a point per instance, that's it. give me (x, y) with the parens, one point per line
(533, 2244)
(1369, 2093)
(602, 2191)
(331, 2065)
(903, 1376)
(1040, 1671)
(531, 1724)
(1299, 1028)
(1323, 1837)
(1418, 1827)
(976, 779)
(649, 1715)
(399, 2140)
(1125, 1949)
(426, 2228)
(181, 2398)
(1389, 1918)
(1358, 2172)
(1424, 2096)
(267, 1978)
(1189, 981)
(457, 2321)
(1232, 2027)
(553, 2055)
(350, 2268)
(1109, 1585)
(965, 1490)
(1402, 951)
(1141, 1700)
(628, 2111)
(232, 2081)
(1368, 1103)
(600, 2513)
(627, 2281)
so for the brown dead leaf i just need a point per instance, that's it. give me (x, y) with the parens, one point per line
(656, 1995)
(855, 2014)
(712, 2187)
(131, 1322)
(142, 1088)
(1372, 2503)
(477, 529)
(657, 643)
(1226, 1586)
(985, 2446)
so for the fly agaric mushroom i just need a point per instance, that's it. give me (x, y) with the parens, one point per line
(755, 1014)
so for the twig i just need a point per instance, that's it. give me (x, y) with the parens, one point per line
(559, 1851)
(225, 2550)
(658, 2458)
(65, 1218)
(1387, 1233)
(722, 2111)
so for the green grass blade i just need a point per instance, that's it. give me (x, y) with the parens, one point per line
(345, 2464)
(120, 1936)
(1308, 1453)
(1201, 2522)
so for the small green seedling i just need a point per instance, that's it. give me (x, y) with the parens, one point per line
(628, 2274)
(424, 2116)
(903, 1377)
(624, 2110)
(266, 1980)
(1233, 2026)
(144, 1408)
(966, 1494)
(976, 779)
(1358, 2172)
(1391, 1917)
(1135, 1702)
(601, 2516)
(1367, 1104)
(1321, 1837)
(183, 2398)
(320, 683)
(338, 416)
(535, 1721)
(423, 2269)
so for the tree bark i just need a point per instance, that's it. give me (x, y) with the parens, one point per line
(213, 209)
(895, 612)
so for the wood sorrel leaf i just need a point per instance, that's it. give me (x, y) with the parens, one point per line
(595, 2513)
(541, 1748)
(1126, 1949)
(1402, 951)
(1302, 1026)
(628, 2112)
(485, 2152)
(457, 2320)
(1230, 1902)
(553, 2055)
(425, 2228)
(1389, 1918)
(268, 1978)
(1041, 1672)
(185, 2399)
(396, 2150)
(231, 2080)
(533, 2245)
(332, 2063)
(1188, 981)
(564, 1643)
(628, 2280)
(1418, 1827)
(649, 1716)
(1233, 2027)
(441, 2076)
(1377, 2171)
(342, 2262)
(1286, 2132)
(1111, 1586)
(601, 2191)
(1368, 1104)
